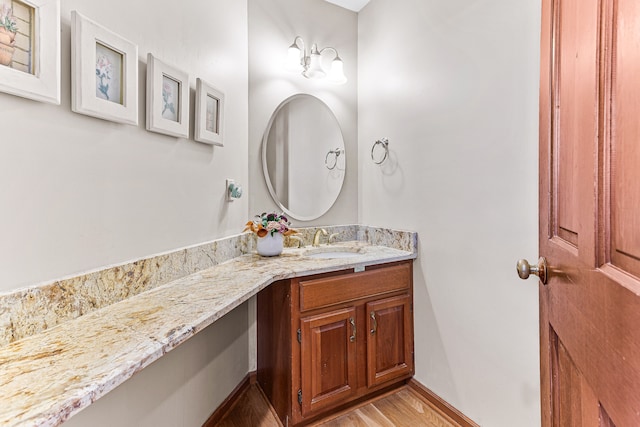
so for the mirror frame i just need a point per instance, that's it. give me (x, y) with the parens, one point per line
(265, 172)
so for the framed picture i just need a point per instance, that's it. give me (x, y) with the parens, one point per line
(104, 72)
(30, 49)
(167, 99)
(209, 113)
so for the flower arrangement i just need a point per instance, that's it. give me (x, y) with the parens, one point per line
(7, 20)
(270, 223)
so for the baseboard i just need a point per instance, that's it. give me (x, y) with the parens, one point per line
(440, 405)
(231, 400)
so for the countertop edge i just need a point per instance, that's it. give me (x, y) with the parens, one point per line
(122, 315)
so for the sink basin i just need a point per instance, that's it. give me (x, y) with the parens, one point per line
(339, 254)
(333, 252)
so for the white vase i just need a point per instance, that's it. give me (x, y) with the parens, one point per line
(270, 245)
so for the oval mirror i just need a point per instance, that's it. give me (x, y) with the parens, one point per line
(303, 157)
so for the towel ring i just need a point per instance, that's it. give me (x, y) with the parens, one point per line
(384, 142)
(327, 159)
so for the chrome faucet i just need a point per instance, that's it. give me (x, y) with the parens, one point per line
(316, 237)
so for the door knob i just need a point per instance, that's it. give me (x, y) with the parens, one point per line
(540, 270)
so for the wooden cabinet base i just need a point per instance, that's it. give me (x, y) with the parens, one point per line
(329, 340)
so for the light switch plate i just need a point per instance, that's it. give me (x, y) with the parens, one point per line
(227, 191)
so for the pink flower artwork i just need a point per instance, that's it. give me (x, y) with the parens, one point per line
(104, 74)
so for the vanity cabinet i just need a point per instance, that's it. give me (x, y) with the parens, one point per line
(327, 340)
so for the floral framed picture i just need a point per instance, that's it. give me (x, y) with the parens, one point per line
(104, 72)
(167, 99)
(209, 113)
(30, 49)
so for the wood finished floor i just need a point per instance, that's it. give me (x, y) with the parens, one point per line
(401, 408)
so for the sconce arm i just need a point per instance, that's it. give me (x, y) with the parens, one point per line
(332, 49)
(302, 48)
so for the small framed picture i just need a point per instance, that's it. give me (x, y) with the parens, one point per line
(104, 72)
(167, 99)
(209, 113)
(30, 49)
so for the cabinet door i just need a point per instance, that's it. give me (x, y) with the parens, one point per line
(328, 359)
(390, 339)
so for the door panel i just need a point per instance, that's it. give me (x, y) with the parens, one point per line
(624, 146)
(590, 212)
(576, 104)
(390, 340)
(575, 401)
(328, 359)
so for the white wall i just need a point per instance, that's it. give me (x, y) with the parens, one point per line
(182, 388)
(79, 193)
(273, 25)
(454, 86)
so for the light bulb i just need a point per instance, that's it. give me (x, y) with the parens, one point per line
(336, 73)
(293, 62)
(315, 70)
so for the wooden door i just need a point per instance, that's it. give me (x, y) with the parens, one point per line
(328, 359)
(389, 340)
(590, 212)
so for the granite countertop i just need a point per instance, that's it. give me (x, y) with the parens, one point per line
(47, 377)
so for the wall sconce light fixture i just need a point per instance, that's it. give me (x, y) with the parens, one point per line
(311, 64)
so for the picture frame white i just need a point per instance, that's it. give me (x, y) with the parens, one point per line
(94, 51)
(165, 113)
(209, 126)
(44, 84)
